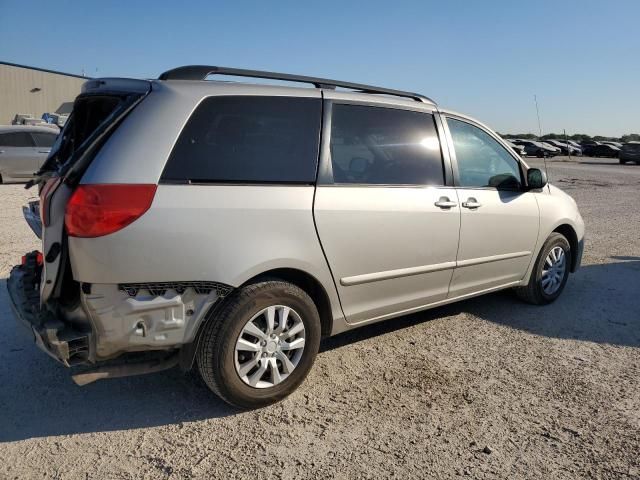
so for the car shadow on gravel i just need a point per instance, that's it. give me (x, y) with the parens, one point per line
(601, 303)
(38, 398)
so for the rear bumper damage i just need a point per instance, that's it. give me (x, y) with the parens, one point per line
(58, 339)
(31, 213)
(117, 330)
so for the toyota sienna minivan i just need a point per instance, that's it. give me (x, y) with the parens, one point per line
(230, 226)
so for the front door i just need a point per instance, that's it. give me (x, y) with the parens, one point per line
(386, 221)
(499, 219)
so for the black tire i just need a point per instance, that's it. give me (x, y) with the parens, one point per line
(216, 349)
(622, 162)
(533, 292)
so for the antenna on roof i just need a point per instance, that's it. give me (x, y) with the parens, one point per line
(535, 99)
(544, 157)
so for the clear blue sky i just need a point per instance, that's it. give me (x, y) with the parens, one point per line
(484, 58)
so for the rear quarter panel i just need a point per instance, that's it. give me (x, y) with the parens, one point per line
(221, 233)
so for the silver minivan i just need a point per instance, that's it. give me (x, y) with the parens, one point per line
(231, 226)
(23, 150)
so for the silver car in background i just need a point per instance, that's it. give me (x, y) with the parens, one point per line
(231, 226)
(23, 150)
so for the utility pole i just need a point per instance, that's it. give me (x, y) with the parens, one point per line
(535, 99)
(566, 141)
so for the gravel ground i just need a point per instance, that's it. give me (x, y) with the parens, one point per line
(488, 388)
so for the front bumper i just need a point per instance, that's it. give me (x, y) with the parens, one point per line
(578, 258)
(55, 337)
(629, 157)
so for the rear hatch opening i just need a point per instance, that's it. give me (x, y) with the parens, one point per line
(60, 325)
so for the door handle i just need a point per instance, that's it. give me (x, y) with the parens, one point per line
(445, 203)
(471, 203)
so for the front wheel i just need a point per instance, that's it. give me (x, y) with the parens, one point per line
(550, 272)
(260, 345)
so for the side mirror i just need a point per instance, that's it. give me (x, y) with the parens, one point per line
(536, 179)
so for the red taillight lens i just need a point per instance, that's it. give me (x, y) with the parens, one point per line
(97, 210)
(45, 198)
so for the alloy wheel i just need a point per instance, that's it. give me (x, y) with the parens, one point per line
(269, 346)
(554, 269)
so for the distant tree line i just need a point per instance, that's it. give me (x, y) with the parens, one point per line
(630, 137)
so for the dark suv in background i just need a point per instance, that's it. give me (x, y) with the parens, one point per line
(630, 152)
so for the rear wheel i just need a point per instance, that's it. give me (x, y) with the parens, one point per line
(550, 272)
(261, 344)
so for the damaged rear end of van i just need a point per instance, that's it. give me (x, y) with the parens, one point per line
(72, 319)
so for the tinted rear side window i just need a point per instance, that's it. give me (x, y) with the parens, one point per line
(15, 139)
(43, 139)
(248, 139)
(384, 146)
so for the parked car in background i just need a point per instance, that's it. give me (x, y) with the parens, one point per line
(553, 147)
(565, 148)
(601, 150)
(588, 143)
(519, 149)
(612, 143)
(240, 265)
(630, 152)
(537, 149)
(23, 150)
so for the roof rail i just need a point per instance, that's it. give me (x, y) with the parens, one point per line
(201, 72)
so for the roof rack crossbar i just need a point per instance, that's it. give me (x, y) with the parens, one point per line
(201, 72)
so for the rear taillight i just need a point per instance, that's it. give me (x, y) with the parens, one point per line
(45, 198)
(97, 210)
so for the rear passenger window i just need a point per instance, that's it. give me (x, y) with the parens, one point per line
(15, 139)
(384, 146)
(248, 139)
(43, 139)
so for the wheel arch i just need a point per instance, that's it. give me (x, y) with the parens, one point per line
(309, 284)
(300, 278)
(572, 237)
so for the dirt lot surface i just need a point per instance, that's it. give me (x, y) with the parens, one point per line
(488, 388)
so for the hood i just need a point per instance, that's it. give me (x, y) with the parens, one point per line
(557, 192)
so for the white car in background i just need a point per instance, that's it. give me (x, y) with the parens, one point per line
(23, 150)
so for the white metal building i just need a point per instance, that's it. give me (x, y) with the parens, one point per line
(34, 91)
